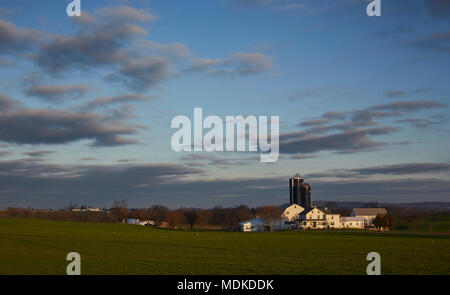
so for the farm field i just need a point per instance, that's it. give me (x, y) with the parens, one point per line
(31, 246)
(434, 224)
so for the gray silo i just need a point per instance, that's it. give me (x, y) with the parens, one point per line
(299, 192)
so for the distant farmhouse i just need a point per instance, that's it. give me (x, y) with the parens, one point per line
(302, 215)
(86, 209)
(138, 221)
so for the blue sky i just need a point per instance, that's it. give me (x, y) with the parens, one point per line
(86, 102)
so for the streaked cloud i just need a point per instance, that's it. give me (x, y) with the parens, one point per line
(127, 13)
(24, 125)
(57, 93)
(14, 39)
(404, 169)
(239, 64)
(438, 42)
(350, 141)
(112, 100)
(38, 154)
(352, 131)
(408, 106)
(30, 183)
(424, 122)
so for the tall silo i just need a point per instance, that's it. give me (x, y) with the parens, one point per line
(299, 192)
(295, 186)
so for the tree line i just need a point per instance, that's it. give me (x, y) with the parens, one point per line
(215, 218)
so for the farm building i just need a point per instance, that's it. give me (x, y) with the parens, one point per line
(252, 225)
(86, 209)
(312, 213)
(352, 222)
(147, 222)
(138, 221)
(368, 214)
(258, 224)
(292, 212)
(312, 218)
(313, 224)
(333, 221)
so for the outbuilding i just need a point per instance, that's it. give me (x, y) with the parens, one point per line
(252, 225)
(352, 222)
(368, 214)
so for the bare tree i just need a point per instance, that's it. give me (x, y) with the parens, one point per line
(269, 214)
(176, 217)
(158, 213)
(120, 210)
(191, 217)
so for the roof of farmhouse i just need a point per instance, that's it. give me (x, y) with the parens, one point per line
(306, 211)
(369, 211)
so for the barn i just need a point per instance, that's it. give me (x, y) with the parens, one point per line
(368, 214)
(292, 212)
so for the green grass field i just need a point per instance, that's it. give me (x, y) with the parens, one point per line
(432, 224)
(30, 246)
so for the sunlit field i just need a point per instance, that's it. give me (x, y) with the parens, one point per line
(30, 246)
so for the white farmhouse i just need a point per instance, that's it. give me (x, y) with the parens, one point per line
(312, 218)
(86, 209)
(252, 225)
(333, 221)
(292, 212)
(295, 216)
(312, 213)
(368, 214)
(352, 222)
